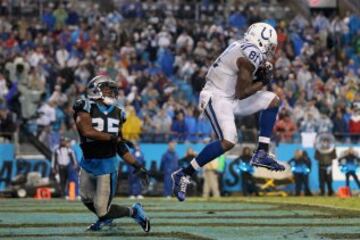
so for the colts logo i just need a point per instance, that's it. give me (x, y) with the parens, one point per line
(263, 35)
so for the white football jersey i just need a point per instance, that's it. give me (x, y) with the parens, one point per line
(223, 73)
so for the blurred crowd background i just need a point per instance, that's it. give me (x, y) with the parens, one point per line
(159, 52)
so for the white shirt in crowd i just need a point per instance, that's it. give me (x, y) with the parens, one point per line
(62, 55)
(47, 115)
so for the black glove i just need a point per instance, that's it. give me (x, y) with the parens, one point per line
(264, 73)
(142, 173)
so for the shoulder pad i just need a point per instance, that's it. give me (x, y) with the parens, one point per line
(82, 105)
(253, 54)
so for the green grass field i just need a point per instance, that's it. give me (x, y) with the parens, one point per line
(227, 218)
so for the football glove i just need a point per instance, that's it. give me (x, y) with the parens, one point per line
(143, 175)
(264, 73)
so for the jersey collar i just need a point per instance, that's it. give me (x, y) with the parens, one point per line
(104, 108)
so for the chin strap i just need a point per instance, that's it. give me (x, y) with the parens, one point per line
(109, 101)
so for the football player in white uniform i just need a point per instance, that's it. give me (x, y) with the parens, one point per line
(234, 87)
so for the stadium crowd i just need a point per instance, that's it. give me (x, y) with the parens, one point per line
(160, 60)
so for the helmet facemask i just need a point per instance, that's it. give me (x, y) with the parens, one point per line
(109, 92)
(103, 88)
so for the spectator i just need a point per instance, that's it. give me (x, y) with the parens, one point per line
(7, 123)
(203, 129)
(162, 123)
(340, 126)
(285, 128)
(190, 123)
(301, 167)
(169, 163)
(325, 124)
(132, 126)
(354, 123)
(3, 87)
(63, 162)
(179, 127)
(47, 116)
(309, 124)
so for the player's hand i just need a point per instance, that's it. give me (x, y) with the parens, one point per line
(143, 175)
(264, 73)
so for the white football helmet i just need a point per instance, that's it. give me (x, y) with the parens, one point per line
(95, 89)
(264, 36)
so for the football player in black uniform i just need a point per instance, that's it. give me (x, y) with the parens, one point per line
(99, 123)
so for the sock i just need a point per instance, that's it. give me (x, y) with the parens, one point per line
(263, 146)
(90, 206)
(117, 211)
(267, 121)
(210, 152)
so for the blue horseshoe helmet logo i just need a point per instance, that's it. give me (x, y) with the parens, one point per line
(263, 36)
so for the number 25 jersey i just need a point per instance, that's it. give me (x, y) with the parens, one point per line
(107, 119)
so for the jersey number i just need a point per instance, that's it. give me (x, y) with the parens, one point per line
(112, 125)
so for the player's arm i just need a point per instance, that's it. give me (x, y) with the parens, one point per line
(84, 125)
(245, 86)
(140, 170)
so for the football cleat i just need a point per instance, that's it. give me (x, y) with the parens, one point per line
(263, 159)
(180, 182)
(140, 217)
(100, 224)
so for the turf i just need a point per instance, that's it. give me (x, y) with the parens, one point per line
(226, 218)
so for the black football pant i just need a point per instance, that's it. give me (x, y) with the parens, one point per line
(325, 177)
(64, 175)
(301, 180)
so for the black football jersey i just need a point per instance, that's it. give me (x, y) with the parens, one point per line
(107, 119)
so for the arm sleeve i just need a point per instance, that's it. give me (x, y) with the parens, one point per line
(122, 149)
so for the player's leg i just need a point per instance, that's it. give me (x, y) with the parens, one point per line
(87, 189)
(267, 103)
(219, 111)
(105, 190)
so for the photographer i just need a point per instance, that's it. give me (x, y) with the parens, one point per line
(325, 154)
(349, 162)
